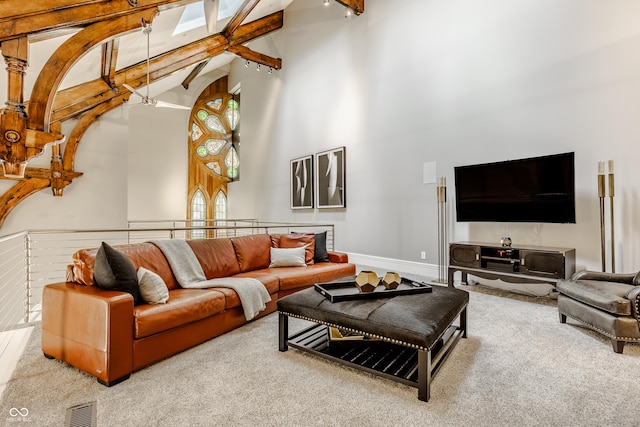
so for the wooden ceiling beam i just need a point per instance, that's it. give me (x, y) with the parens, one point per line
(19, 17)
(194, 73)
(259, 58)
(47, 83)
(247, 32)
(356, 5)
(73, 101)
(243, 11)
(109, 60)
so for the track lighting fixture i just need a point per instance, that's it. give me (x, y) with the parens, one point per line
(258, 66)
(347, 12)
(325, 2)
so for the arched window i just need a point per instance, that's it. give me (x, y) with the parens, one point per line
(220, 206)
(198, 214)
(214, 151)
(220, 212)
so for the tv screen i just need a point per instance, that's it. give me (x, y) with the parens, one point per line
(537, 189)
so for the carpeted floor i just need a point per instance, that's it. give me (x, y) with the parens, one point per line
(518, 366)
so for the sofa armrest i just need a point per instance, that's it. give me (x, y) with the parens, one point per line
(605, 277)
(339, 257)
(634, 296)
(89, 328)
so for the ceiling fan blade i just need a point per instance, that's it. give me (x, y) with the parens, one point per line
(132, 90)
(211, 14)
(163, 104)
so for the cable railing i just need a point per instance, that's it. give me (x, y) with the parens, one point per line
(30, 260)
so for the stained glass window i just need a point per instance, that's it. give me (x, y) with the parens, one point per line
(232, 114)
(202, 151)
(202, 115)
(214, 124)
(215, 104)
(215, 145)
(220, 213)
(215, 133)
(214, 166)
(232, 162)
(198, 214)
(196, 131)
(220, 206)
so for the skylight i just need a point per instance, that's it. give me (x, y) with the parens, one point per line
(193, 15)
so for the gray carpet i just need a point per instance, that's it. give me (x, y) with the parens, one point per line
(518, 366)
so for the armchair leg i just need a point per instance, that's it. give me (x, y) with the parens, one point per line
(618, 346)
(563, 318)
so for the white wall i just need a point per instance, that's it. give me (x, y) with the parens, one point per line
(97, 199)
(455, 83)
(157, 153)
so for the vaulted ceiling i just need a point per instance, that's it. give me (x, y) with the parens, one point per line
(72, 59)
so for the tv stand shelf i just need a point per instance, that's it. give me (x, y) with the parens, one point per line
(511, 264)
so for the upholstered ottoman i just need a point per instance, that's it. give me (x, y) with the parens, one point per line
(405, 338)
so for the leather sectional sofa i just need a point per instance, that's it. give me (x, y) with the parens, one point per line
(102, 332)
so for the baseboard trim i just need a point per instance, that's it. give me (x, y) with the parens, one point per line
(398, 265)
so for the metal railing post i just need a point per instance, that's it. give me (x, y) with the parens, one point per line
(27, 278)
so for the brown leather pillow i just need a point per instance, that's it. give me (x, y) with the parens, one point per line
(295, 240)
(252, 251)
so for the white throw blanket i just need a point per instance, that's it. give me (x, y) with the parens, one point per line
(188, 271)
(253, 295)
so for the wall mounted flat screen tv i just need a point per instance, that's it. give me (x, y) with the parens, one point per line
(537, 189)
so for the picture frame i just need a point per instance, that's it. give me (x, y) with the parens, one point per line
(330, 180)
(302, 189)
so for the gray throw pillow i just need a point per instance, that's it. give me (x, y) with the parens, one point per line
(288, 257)
(115, 272)
(153, 290)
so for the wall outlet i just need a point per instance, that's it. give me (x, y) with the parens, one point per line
(423, 255)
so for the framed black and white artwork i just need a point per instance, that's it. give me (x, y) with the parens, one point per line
(330, 178)
(302, 183)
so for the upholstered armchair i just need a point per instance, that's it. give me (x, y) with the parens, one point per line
(608, 303)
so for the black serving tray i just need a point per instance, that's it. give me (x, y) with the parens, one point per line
(348, 290)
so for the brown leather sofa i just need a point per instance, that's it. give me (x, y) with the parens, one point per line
(103, 333)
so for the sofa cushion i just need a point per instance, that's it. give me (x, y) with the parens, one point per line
(320, 253)
(145, 255)
(252, 251)
(184, 306)
(296, 240)
(607, 296)
(216, 256)
(153, 290)
(115, 272)
(298, 278)
(287, 257)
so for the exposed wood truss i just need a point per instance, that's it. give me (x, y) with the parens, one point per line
(29, 127)
(21, 18)
(356, 5)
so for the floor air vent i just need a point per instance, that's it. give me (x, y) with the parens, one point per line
(82, 415)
